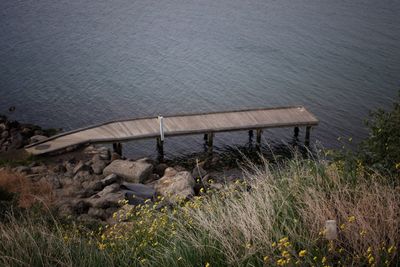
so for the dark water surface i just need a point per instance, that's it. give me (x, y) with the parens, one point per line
(70, 63)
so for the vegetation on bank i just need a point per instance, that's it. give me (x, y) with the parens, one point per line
(274, 217)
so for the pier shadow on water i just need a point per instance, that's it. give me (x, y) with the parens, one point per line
(234, 156)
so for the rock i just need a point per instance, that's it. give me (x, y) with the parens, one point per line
(131, 171)
(107, 201)
(138, 190)
(2, 127)
(37, 138)
(59, 168)
(22, 169)
(16, 141)
(170, 172)
(98, 164)
(39, 169)
(81, 207)
(160, 169)
(177, 187)
(4, 134)
(96, 186)
(80, 167)
(198, 172)
(82, 175)
(109, 189)
(97, 213)
(110, 179)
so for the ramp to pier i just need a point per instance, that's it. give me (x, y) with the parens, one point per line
(186, 124)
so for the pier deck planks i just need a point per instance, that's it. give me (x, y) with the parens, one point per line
(142, 128)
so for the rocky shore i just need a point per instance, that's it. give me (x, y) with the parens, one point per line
(94, 184)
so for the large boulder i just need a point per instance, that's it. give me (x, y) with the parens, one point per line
(98, 164)
(131, 171)
(175, 187)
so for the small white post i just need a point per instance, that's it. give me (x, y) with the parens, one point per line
(161, 120)
(331, 230)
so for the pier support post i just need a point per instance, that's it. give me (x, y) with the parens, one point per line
(117, 148)
(205, 137)
(251, 134)
(296, 132)
(160, 149)
(258, 137)
(307, 139)
(210, 137)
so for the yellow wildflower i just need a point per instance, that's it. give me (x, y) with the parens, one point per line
(207, 264)
(371, 259)
(391, 249)
(323, 260)
(351, 219)
(342, 226)
(281, 262)
(302, 253)
(266, 258)
(102, 246)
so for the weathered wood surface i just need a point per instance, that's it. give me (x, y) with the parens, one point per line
(142, 128)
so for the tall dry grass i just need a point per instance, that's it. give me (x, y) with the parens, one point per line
(291, 203)
(28, 191)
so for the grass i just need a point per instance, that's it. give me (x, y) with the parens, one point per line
(275, 217)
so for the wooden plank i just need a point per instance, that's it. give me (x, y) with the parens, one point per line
(131, 129)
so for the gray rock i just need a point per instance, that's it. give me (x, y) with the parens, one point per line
(98, 164)
(81, 166)
(110, 179)
(107, 200)
(177, 187)
(59, 168)
(37, 138)
(82, 176)
(81, 207)
(22, 169)
(97, 213)
(131, 171)
(16, 141)
(138, 190)
(170, 172)
(4, 134)
(109, 189)
(39, 169)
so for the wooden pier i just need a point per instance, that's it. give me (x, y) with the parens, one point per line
(187, 124)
